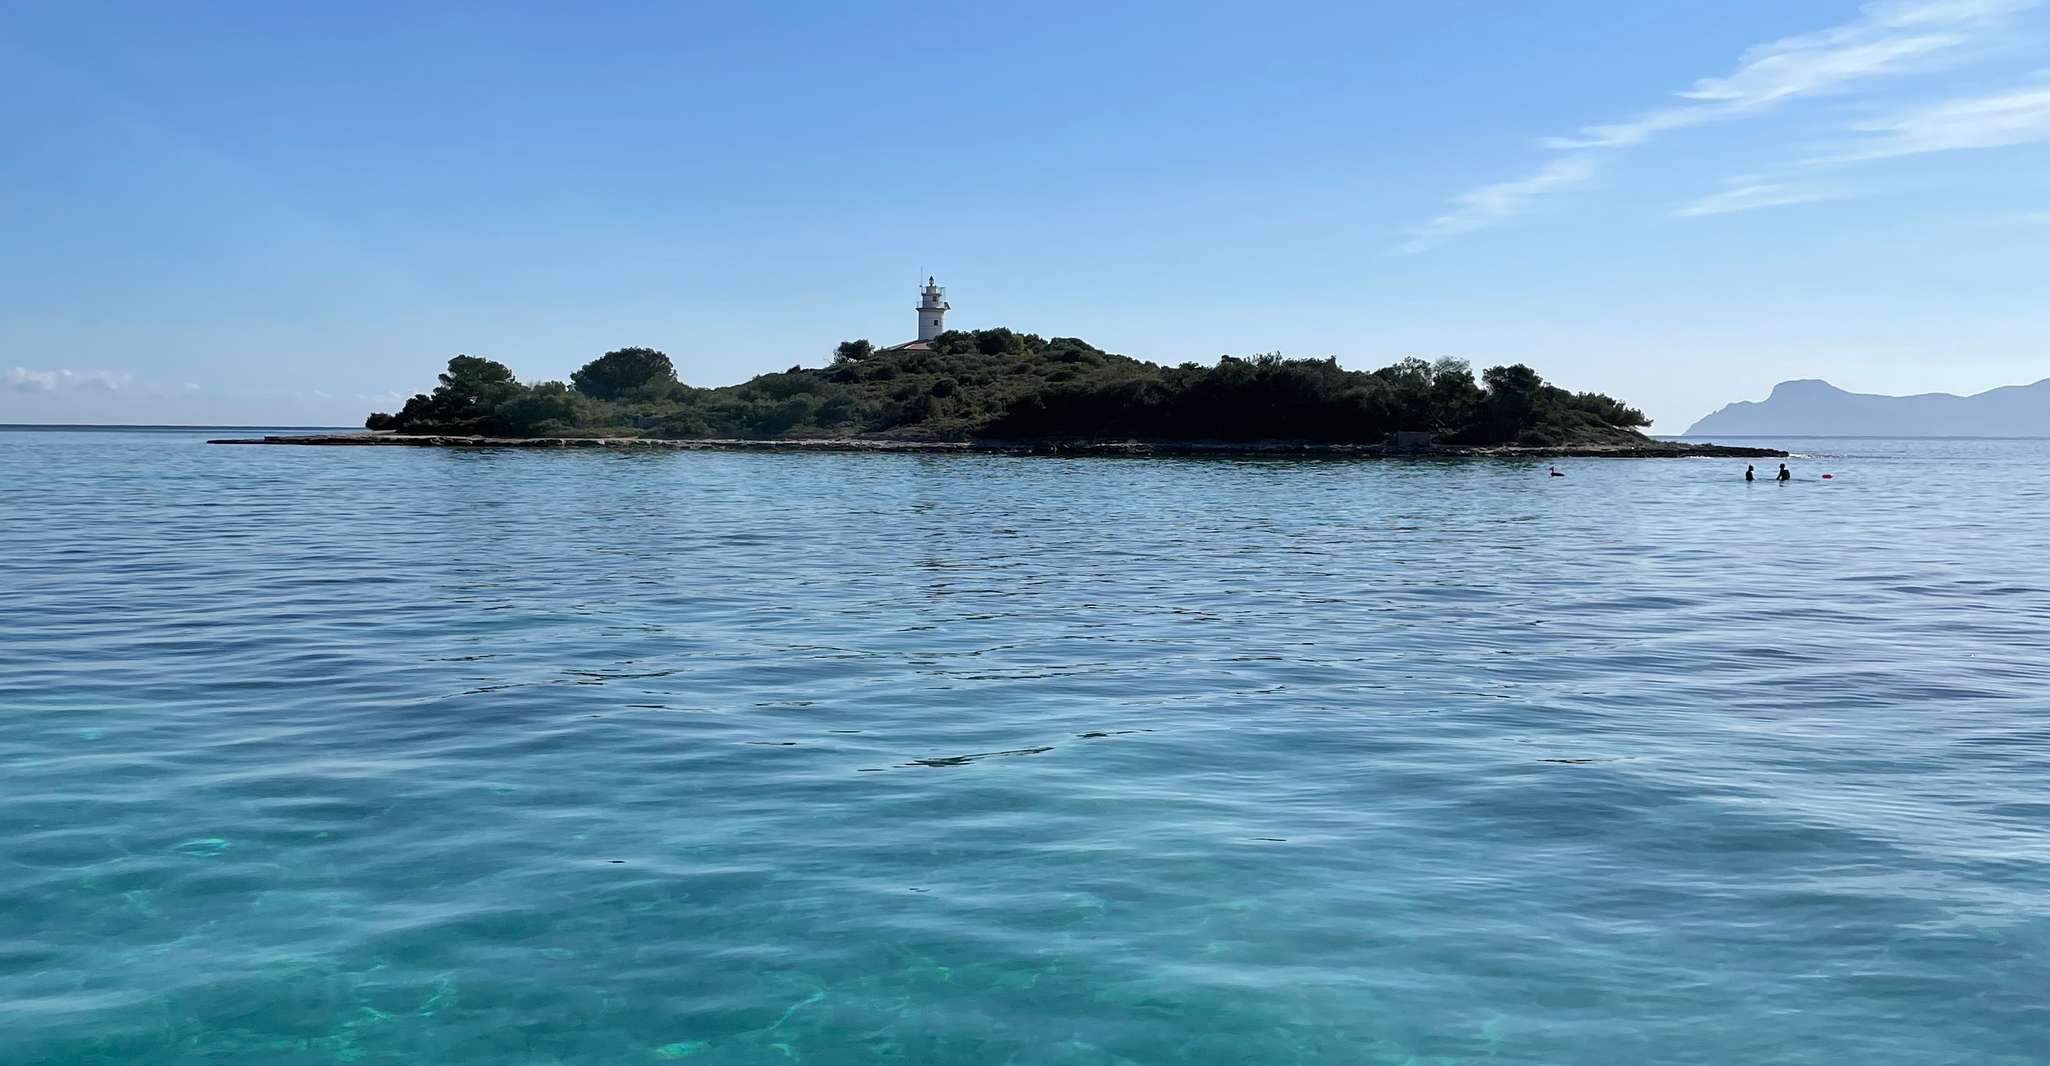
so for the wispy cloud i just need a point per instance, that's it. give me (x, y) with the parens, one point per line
(1750, 196)
(22, 379)
(1997, 120)
(1490, 204)
(1766, 81)
(1885, 39)
(1889, 38)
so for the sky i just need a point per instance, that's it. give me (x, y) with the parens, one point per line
(290, 214)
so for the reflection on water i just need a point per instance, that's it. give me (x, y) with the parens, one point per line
(318, 756)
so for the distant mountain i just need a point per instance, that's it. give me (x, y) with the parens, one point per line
(1817, 408)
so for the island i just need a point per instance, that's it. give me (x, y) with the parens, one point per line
(998, 389)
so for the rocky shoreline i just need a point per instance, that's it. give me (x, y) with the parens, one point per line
(1646, 450)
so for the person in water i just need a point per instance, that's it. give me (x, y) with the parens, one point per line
(1749, 474)
(1785, 474)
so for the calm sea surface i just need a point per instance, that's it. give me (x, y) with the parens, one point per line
(411, 756)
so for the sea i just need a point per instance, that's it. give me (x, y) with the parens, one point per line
(393, 755)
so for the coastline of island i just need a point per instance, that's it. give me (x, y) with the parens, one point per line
(1650, 449)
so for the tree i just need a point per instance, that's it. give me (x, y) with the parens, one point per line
(1455, 398)
(1512, 397)
(548, 405)
(853, 351)
(1610, 410)
(998, 341)
(616, 373)
(1409, 393)
(470, 389)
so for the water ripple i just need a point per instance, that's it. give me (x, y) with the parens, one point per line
(320, 756)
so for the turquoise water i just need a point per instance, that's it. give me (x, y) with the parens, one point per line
(408, 756)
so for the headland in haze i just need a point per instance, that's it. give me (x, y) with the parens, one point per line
(1818, 409)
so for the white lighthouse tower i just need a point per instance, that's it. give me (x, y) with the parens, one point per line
(932, 311)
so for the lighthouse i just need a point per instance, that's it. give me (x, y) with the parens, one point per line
(932, 311)
(932, 319)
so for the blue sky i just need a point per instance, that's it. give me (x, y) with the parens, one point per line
(283, 213)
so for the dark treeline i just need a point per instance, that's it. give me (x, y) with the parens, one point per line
(998, 384)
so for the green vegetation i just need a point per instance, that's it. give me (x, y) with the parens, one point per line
(996, 384)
